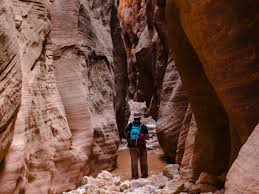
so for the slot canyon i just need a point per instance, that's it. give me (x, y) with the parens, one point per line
(73, 72)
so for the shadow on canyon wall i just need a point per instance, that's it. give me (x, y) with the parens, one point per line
(68, 68)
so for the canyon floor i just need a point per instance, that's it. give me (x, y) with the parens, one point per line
(164, 179)
(155, 161)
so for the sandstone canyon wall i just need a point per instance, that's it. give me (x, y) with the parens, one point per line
(216, 56)
(10, 77)
(120, 72)
(147, 51)
(61, 54)
(68, 67)
(152, 73)
(218, 65)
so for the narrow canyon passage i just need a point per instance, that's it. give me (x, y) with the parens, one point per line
(156, 160)
(164, 178)
(73, 72)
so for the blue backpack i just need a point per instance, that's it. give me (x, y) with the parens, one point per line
(135, 132)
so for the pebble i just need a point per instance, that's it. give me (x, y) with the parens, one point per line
(106, 183)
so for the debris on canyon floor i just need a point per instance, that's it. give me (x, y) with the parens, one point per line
(163, 179)
(170, 182)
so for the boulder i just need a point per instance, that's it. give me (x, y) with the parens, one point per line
(171, 170)
(105, 175)
(147, 189)
(187, 174)
(158, 181)
(124, 186)
(137, 183)
(78, 191)
(173, 187)
(199, 188)
(209, 179)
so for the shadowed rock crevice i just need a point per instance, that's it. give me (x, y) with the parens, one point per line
(120, 73)
(144, 34)
(157, 81)
(220, 60)
(67, 69)
(173, 106)
(212, 139)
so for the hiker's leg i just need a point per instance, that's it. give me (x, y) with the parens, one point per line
(143, 162)
(134, 162)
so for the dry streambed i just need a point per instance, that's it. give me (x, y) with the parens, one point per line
(155, 162)
(170, 182)
(164, 179)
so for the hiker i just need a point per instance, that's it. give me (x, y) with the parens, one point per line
(136, 134)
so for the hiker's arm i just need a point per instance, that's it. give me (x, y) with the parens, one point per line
(145, 131)
(126, 131)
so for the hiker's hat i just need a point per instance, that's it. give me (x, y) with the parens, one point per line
(136, 115)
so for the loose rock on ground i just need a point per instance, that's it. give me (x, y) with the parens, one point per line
(107, 183)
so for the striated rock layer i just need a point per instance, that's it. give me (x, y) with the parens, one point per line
(144, 34)
(120, 73)
(10, 76)
(218, 65)
(84, 73)
(152, 73)
(63, 63)
(66, 126)
(243, 176)
(173, 107)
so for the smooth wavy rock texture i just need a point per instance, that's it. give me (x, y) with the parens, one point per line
(216, 52)
(60, 52)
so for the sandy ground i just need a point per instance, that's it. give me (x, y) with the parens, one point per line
(155, 162)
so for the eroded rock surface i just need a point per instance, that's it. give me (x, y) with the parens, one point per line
(144, 34)
(173, 107)
(218, 65)
(10, 76)
(243, 176)
(66, 127)
(84, 73)
(70, 60)
(152, 73)
(120, 73)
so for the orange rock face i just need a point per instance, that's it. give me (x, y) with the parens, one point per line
(66, 69)
(144, 34)
(216, 53)
(152, 73)
(66, 126)
(215, 49)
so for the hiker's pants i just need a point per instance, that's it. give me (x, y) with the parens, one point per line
(136, 154)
